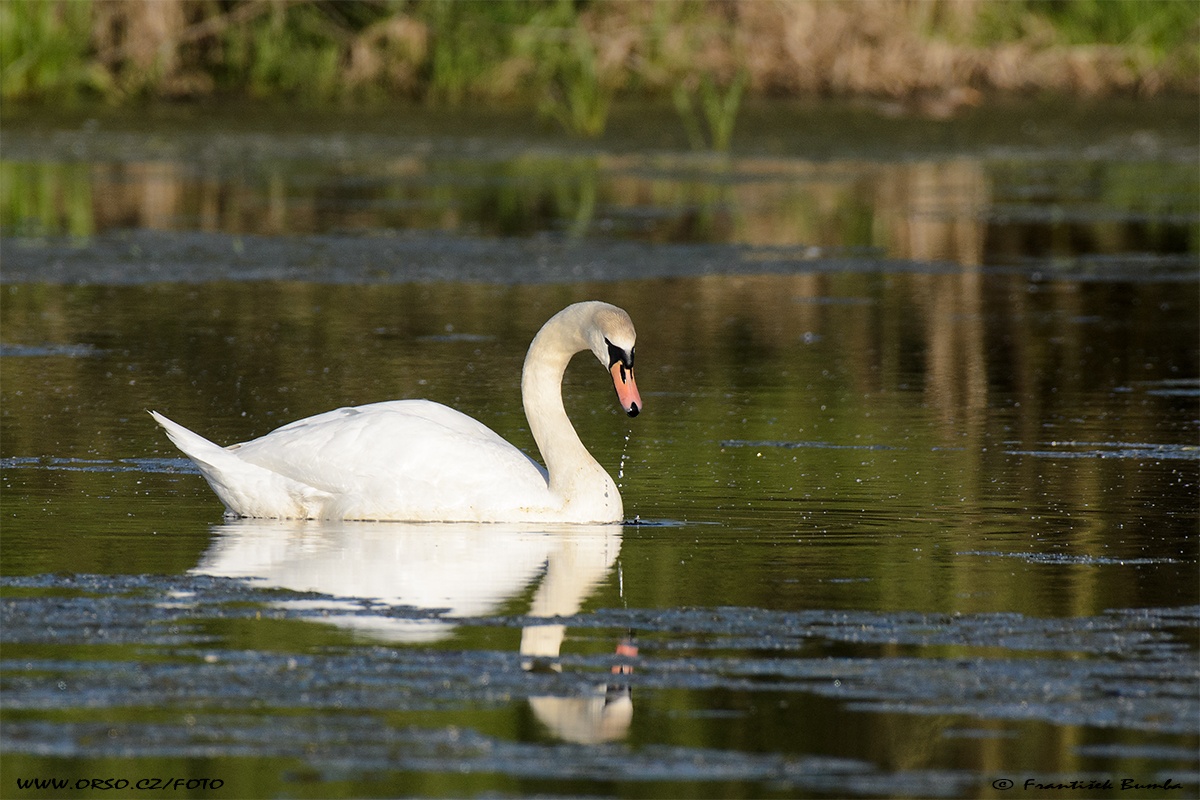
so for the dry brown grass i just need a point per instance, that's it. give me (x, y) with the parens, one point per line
(926, 50)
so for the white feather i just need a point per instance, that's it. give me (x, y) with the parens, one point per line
(415, 460)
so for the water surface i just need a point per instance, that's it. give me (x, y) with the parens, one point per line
(912, 505)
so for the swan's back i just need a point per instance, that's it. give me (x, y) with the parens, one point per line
(396, 460)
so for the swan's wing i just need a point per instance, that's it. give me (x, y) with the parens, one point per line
(405, 459)
(244, 488)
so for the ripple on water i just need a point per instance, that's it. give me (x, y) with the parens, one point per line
(45, 350)
(1138, 451)
(100, 465)
(787, 445)
(321, 705)
(1070, 559)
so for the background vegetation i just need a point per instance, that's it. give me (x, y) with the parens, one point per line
(570, 59)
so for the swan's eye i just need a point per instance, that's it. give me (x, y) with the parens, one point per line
(617, 355)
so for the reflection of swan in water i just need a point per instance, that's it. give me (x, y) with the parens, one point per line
(461, 569)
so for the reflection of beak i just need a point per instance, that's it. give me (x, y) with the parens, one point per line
(628, 649)
(627, 392)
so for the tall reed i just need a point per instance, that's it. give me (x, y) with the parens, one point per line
(719, 108)
(45, 50)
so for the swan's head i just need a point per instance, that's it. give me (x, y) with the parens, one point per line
(611, 338)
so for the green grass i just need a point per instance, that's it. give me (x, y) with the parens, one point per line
(719, 108)
(553, 55)
(292, 51)
(1156, 27)
(44, 50)
(570, 86)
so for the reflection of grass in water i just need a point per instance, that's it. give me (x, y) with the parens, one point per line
(1101, 207)
(45, 199)
(1120, 206)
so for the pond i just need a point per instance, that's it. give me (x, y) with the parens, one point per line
(912, 507)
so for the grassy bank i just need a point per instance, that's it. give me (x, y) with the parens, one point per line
(572, 59)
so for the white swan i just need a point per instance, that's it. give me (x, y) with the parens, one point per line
(415, 460)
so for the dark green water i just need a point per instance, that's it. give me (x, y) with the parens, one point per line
(913, 502)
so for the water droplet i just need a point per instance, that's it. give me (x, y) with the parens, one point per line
(621, 466)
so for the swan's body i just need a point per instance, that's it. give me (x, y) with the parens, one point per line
(416, 460)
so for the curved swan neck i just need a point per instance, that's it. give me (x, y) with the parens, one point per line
(541, 394)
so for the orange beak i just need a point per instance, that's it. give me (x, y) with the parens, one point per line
(627, 392)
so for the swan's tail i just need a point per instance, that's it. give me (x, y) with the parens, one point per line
(193, 445)
(247, 490)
